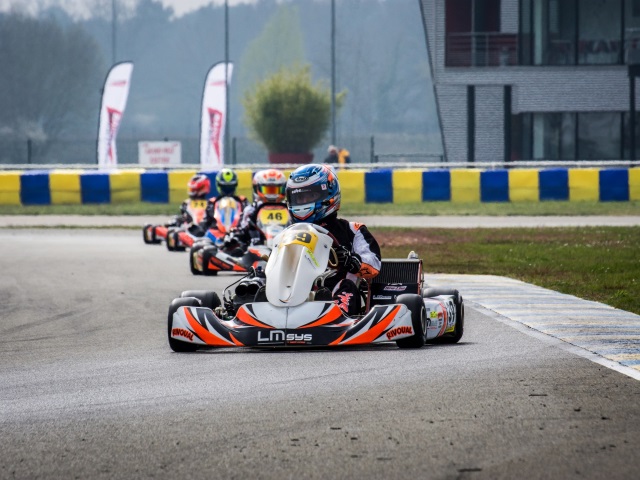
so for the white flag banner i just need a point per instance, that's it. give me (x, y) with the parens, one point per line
(214, 116)
(114, 102)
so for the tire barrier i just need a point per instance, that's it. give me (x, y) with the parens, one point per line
(69, 187)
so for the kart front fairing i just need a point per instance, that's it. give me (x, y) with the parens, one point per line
(308, 324)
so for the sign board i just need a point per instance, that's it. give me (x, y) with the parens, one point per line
(159, 154)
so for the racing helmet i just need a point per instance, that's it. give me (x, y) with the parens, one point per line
(199, 186)
(226, 182)
(313, 192)
(269, 186)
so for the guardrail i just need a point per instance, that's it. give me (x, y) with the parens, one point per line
(371, 185)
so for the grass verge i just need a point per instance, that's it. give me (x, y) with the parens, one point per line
(595, 263)
(349, 209)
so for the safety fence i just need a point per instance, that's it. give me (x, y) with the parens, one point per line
(45, 187)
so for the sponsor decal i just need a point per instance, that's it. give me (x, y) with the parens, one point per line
(181, 332)
(300, 179)
(343, 301)
(395, 288)
(394, 332)
(433, 314)
(382, 297)
(278, 336)
(215, 129)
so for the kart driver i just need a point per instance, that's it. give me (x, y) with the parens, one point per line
(313, 196)
(226, 183)
(198, 187)
(268, 189)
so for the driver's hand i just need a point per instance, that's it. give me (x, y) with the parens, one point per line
(348, 260)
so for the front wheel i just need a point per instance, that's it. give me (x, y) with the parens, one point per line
(415, 304)
(207, 298)
(177, 345)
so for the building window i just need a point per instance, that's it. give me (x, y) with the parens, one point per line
(599, 136)
(599, 27)
(473, 36)
(570, 32)
(571, 136)
(627, 135)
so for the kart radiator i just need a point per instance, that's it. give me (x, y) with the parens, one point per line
(399, 271)
(397, 276)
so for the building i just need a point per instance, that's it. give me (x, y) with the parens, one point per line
(535, 79)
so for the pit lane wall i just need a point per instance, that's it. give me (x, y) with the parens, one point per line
(51, 187)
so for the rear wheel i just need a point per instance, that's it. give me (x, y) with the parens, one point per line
(418, 320)
(208, 299)
(456, 335)
(177, 345)
(170, 240)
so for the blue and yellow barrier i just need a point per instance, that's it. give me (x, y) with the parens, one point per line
(69, 187)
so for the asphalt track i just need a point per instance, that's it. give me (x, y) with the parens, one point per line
(90, 389)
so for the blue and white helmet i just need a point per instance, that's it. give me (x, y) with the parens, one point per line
(313, 192)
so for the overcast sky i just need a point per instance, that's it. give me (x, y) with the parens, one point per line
(83, 8)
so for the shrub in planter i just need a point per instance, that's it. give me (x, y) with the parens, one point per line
(289, 115)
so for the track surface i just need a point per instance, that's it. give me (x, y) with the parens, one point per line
(90, 389)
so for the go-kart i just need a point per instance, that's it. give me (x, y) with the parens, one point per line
(227, 212)
(154, 234)
(209, 257)
(287, 304)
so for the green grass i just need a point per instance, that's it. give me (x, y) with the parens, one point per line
(595, 263)
(348, 209)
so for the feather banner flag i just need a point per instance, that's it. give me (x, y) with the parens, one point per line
(214, 116)
(114, 102)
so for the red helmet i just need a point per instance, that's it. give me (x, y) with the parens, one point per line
(199, 186)
(269, 185)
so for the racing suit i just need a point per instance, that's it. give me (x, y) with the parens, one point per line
(359, 256)
(209, 217)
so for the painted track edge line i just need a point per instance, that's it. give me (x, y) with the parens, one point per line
(550, 339)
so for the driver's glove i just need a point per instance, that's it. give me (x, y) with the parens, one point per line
(348, 260)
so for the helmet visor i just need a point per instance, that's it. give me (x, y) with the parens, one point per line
(270, 189)
(305, 195)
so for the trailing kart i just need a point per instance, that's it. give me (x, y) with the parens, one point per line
(209, 257)
(288, 305)
(227, 212)
(194, 214)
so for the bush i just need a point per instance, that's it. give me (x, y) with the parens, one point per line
(287, 113)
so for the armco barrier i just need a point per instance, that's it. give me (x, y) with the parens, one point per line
(46, 187)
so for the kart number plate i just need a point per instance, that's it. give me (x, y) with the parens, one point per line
(198, 204)
(306, 239)
(269, 216)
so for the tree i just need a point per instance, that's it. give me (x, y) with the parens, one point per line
(287, 113)
(50, 80)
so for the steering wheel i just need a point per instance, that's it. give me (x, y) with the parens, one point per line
(333, 258)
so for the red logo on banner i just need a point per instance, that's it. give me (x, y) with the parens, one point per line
(114, 123)
(215, 127)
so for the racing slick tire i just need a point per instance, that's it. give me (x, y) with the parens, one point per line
(456, 335)
(170, 240)
(149, 238)
(206, 255)
(207, 299)
(177, 345)
(415, 304)
(192, 263)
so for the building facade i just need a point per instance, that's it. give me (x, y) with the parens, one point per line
(535, 79)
